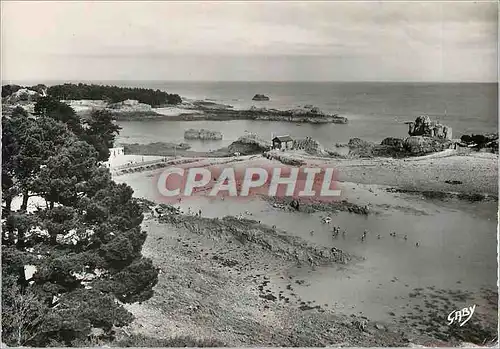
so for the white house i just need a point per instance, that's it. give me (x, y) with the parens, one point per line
(116, 152)
(116, 157)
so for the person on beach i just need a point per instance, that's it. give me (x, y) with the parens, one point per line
(311, 261)
(297, 259)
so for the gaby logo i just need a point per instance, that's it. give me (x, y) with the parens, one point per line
(458, 315)
(312, 182)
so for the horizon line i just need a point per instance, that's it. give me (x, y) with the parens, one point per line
(96, 81)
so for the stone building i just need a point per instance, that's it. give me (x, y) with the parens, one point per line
(282, 142)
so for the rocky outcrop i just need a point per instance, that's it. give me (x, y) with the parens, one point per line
(207, 110)
(358, 143)
(396, 143)
(249, 144)
(202, 134)
(207, 105)
(298, 115)
(424, 126)
(259, 97)
(360, 148)
(251, 232)
(484, 141)
(398, 148)
(420, 145)
(310, 146)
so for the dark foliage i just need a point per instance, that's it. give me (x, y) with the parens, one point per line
(101, 132)
(7, 90)
(83, 246)
(113, 94)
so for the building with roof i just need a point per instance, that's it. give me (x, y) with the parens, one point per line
(282, 142)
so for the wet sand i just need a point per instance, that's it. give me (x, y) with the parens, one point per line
(247, 291)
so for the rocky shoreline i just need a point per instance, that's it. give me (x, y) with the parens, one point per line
(264, 114)
(206, 110)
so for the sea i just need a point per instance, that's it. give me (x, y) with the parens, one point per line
(375, 110)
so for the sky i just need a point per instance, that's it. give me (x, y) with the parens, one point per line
(249, 41)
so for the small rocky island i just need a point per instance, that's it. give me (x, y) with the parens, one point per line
(308, 114)
(202, 134)
(425, 137)
(259, 97)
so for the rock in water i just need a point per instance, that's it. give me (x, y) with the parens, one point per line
(424, 126)
(259, 97)
(202, 134)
